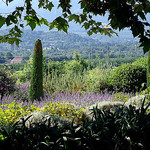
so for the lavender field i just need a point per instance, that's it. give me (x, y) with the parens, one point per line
(80, 100)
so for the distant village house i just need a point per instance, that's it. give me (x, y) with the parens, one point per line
(17, 59)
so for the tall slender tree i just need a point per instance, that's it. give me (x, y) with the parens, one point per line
(36, 84)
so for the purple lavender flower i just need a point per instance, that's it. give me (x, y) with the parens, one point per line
(80, 100)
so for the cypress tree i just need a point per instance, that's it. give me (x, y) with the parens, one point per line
(36, 83)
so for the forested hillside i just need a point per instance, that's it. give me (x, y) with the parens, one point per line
(59, 45)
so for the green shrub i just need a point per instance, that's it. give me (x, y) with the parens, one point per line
(36, 84)
(77, 65)
(73, 67)
(55, 66)
(25, 74)
(96, 79)
(128, 77)
(146, 91)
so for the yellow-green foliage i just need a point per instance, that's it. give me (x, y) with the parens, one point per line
(10, 113)
(66, 110)
(120, 96)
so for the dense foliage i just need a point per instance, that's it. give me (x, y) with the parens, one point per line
(62, 121)
(123, 128)
(12, 112)
(65, 110)
(129, 77)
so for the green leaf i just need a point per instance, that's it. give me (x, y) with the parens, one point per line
(2, 21)
(59, 23)
(41, 4)
(74, 17)
(17, 41)
(138, 8)
(82, 4)
(9, 39)
(42, 20)
(147, 8)
(90, 32)
(49, 6)
(142, 15)
(8, 19)
(86, 25)
(32, 24)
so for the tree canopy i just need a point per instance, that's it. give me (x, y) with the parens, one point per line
(121, 14)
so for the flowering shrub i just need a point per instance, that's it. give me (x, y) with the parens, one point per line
(7, 83)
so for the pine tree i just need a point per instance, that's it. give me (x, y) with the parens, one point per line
(36, 84)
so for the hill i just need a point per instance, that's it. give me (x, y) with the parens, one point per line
(60, 44)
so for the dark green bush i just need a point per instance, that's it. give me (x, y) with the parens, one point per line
(128, 77)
